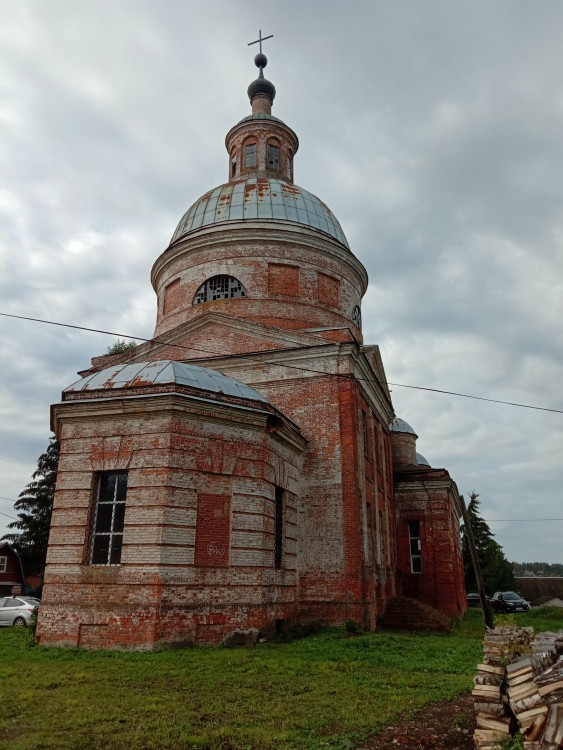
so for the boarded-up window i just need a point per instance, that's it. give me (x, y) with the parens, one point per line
(213, 530)
(172, 296)
(283, 279)
(329, 290)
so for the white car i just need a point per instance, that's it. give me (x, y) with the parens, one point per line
(17, 610)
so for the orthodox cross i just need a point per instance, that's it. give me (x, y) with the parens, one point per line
(260, 40)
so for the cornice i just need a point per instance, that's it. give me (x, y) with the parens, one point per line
(265, 124)
(263, 232)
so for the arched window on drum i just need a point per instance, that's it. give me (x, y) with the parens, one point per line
(357, 316)
(219, 287)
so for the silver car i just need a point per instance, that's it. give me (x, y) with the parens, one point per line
(17, 610)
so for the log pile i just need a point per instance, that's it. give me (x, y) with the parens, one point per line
(519, 688)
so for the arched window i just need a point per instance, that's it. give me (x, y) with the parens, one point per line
(219, 287)
(273, 156)
(250, 149)
(357, 316)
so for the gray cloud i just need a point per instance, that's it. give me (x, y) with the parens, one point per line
(432, 132)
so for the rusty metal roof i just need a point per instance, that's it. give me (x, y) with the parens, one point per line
(163, 372)
(259, 199)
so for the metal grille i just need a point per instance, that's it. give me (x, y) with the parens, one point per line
(357, 316)
(109, 517)
(278, 529)
(219, 287)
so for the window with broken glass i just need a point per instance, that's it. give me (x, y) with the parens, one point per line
(250, 155)
(108, 519)
(415, 547)
(219, 287)
(357, 316)
(273, 157)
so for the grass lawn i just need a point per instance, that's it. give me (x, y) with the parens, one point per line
(326, 691)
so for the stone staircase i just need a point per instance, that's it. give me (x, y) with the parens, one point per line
(402, 613)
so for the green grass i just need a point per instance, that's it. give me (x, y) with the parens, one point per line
(540, 618)
(326, 691)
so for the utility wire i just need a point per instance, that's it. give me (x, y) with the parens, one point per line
(283, 364)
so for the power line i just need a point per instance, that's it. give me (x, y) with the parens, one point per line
(283, 364)
(7, 516)
(520, 520)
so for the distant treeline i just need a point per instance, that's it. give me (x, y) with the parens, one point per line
(538, 568)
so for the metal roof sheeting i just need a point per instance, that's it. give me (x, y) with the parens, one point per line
(399, 425)
(258, 199)
(163, 372)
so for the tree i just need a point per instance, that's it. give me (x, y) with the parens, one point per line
(121, 346)
(497, 571)
(34, 506)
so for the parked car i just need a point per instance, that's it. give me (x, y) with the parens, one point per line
(17, 610)
(509, 601)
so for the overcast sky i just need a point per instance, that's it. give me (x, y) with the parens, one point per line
(432, 129)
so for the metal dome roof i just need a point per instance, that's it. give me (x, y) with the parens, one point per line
(162, 372)
(421, 461)
(259, 199)
(399, 425)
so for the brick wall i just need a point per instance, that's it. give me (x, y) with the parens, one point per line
(187, 463)
(293, 279)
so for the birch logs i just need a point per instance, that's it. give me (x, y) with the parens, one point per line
(519, 688)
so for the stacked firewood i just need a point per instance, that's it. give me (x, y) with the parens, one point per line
(519, 687)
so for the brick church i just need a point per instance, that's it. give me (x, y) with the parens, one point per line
(245, 469)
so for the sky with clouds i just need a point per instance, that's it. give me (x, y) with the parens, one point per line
(432, 130)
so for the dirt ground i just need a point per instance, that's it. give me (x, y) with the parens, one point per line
(439, 726)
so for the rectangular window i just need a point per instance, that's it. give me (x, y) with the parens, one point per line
(233, 166)
(278, 529)
(273, 157)
(250, 155)
(415, 547)
(3, 564)
(365, 434)
(109, 517)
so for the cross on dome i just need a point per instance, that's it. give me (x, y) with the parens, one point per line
(260, 39)
(261, 88)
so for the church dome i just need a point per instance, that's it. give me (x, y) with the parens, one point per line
(260, 199)
(399, 425)
(421, 461)
(164, 372)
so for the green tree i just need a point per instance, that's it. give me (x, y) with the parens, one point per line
(497, 571)
(34, 506)
(121, 346)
